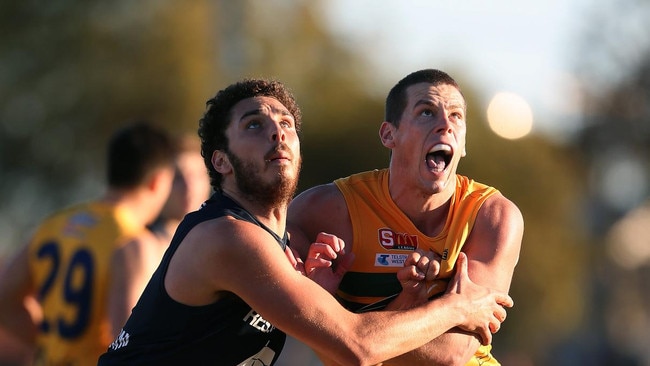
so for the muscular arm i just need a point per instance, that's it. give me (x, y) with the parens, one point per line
(319, 209)
(256, 270)
(493, 250)
(16, 296)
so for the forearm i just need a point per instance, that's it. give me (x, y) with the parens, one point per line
(326, 361)
(373, 337)
(433, 320)
(452, 348)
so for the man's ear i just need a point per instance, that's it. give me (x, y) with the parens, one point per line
(220, 162)
(386, 134)
(161, 176)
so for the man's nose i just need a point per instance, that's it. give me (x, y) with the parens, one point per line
(444, 125)
(277, 132)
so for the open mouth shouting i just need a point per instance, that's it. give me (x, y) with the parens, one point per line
(439, 157)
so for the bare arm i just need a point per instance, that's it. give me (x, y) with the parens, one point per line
(319, 209)
(493, 250)
(252, 270)
(17, 305)
(130, 272)
(323, 208)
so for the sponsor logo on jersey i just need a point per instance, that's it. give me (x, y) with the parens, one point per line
(122, 340)
(256, 321)
(392, 240)
(390, 260)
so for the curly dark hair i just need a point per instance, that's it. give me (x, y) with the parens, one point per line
(397, 99)
(215, 121)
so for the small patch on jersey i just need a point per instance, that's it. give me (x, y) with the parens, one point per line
(122, 340)
(256, 321)
(390, 260)
(390, 239)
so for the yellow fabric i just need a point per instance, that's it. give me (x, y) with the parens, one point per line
(69, 262)
(383, 236)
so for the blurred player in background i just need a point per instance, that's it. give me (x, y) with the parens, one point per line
(134, 263)
(65, 266)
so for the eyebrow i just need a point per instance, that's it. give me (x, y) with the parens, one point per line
(424, 102)
(431, 104)
(258, 111)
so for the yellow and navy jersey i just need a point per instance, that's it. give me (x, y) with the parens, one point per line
(69, 258)
(383, 237)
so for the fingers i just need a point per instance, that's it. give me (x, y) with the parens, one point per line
(425, 263)
(407, 274)
(461, 275)
(505, 300)
(500, 314)
(288, 252)
(486, 336)
(294, 260)
(326, 249)
(334, 242)
(429, 264)
(318, 250)
(344, 264)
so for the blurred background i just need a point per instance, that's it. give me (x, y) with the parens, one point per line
(559, 120)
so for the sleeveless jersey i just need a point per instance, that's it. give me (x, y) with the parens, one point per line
(383, 236)
(69, 259)
(161, 331)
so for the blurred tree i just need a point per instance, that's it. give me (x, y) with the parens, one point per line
(613, 65)
(340, 118)
(549, 285)
(73, 71)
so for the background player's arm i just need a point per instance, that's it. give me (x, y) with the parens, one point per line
(19, 312)
(129, 276)
(493, 251)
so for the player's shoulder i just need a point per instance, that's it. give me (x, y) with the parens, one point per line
(323, 194)
(222, 232)
(499, 210)
(139, 245)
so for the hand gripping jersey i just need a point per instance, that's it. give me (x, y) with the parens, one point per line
(383, 236)
(161, 331)
(69, 259)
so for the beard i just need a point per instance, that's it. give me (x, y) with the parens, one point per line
(255, 188)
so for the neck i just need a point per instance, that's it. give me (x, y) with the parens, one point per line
(428, 211)
(272, 216)
(132, 202)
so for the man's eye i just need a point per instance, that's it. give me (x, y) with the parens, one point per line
(253, 124)
(427, 112)
(286, 124)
